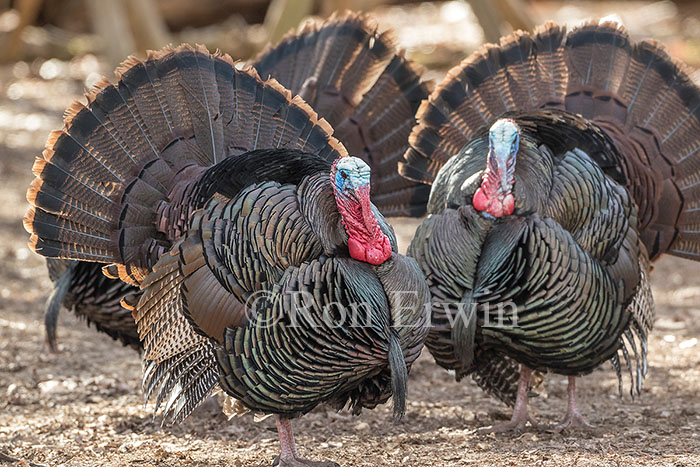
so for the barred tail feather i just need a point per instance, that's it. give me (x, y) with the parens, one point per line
(524, 72)
(343, 55)
(378, 131)
(366, 90)
(104, 180)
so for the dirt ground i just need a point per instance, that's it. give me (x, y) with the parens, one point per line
(83, 406)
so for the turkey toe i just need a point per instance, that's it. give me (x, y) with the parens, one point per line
(573, 421)
(299, 462)
(515, 425)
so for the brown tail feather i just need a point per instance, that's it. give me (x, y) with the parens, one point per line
(378, 131)
(598, 55)
(524, 72)
(179, 364)
(353, 77)
(652, 99)
(344, 55)
(643, 99)
(105, 178)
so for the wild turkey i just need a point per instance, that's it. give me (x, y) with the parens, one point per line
(247, 226)
(80, 286)
(561, 163)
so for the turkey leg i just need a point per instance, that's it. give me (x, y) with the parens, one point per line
(289, 457)
(520, 416)
(573, 418)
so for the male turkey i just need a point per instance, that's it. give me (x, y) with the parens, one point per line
(560, 163)
(245, 223)
(80, 286)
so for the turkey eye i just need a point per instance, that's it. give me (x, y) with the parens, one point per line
(343, 174)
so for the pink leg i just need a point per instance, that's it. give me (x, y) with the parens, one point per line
(289, 457)
(520, 416)
(288, 448)
(573, 418)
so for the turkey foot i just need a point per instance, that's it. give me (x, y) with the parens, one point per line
(516, 425)
(573, 418)
(289, 457)
(520, 416)
(573, 421)
(296, 461)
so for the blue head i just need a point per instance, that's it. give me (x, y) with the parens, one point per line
(351, 177)
(504, 139)
(494, 197)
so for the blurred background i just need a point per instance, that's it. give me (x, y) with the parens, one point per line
(80, 39)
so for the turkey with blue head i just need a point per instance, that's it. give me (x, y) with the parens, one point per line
(561, 163)
(247, 226)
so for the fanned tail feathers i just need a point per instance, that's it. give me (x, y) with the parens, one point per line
(353, 76)
(524, 72)
(101, 178)
(642, 98)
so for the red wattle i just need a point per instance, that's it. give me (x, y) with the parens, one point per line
(377, 254)
(508, 204)
(495, 208)
(357, 249)
(369, 253)
(366, 241)
(480, 201)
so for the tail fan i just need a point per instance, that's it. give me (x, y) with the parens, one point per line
(642, 98)
(353, 76)
(105, 180)
(523, 72)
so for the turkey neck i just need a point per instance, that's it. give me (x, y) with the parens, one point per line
(358, 219)
(496, 179)
(366, 241)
